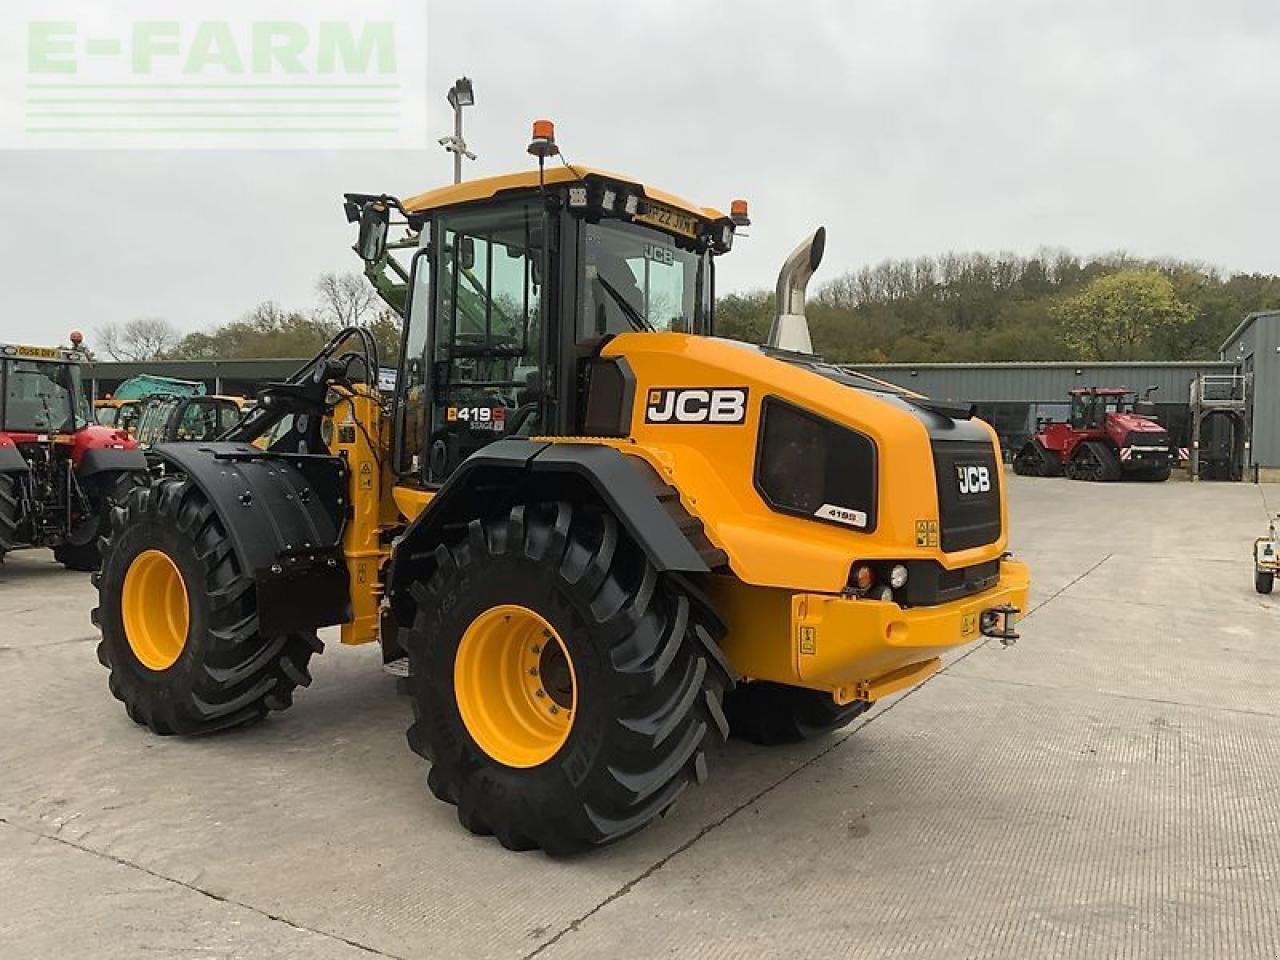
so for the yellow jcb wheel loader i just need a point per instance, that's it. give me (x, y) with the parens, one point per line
(593, 537)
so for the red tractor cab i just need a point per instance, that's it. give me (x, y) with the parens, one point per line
(1112, 433)
(59, 471)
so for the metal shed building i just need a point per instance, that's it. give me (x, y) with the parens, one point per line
(1013, 396)
(1254, 348)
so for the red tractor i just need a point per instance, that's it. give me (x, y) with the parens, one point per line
(59, 471)
(1111, 434)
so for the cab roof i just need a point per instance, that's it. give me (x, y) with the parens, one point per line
(486, 188)
(1100, 391)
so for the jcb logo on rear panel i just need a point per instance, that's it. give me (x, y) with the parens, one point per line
(696, 405)
(973, 479)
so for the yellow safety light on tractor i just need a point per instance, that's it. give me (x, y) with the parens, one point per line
(593, 538)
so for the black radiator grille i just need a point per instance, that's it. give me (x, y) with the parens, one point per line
(968, 478)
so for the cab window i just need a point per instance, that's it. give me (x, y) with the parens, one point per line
(637, 278)
(153, 420)
(39, 396)
(127, 419)
(412, 383)
(205, 419)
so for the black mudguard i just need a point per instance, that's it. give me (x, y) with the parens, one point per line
(524, 471)
(107, 460)
(11, 461)
(285, 515)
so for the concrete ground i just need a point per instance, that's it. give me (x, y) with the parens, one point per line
(1109, 787)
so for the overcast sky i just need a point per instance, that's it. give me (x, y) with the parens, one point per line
(906, 128)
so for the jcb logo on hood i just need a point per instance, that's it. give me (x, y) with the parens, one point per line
(973, 479)
(696, 405)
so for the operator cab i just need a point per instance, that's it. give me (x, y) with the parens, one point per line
(184, 419)
(1090, 406)
(511, 287)
(40, 390)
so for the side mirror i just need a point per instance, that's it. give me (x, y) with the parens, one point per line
(466, 253)
(371, 244)
(533, 383)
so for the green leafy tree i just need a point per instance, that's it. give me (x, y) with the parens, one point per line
(1123, 315)
(744, 316)
(268, 330)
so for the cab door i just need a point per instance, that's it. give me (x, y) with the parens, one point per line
(485, 369)
(413, 397)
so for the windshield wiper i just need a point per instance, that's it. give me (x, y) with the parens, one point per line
(631, 313)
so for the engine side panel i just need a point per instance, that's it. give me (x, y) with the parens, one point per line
(697, 420)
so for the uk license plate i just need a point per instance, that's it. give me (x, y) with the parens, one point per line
(669, 218)
(42, 353)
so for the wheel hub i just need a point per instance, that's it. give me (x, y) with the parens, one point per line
(155, 609)
(515, 686)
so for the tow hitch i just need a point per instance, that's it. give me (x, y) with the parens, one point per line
(998, 623)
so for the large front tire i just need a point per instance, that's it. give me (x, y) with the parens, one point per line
(773, 713)
(179, 619)
(635, 666)
(8, 513)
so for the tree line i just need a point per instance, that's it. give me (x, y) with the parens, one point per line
(958, 307)
(267, 330)
(973, 307)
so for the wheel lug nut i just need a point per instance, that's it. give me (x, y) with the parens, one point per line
(554, 709)
(537, 649)
(533, 671)
(540, 693)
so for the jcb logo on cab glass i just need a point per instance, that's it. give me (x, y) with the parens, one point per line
(696, 405)
(973, 479)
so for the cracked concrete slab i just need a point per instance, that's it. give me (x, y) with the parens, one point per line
(62, 901)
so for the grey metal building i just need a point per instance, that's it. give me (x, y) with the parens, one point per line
(1254, 348)
(1014, 396)
(238, 377)
(1042, 383)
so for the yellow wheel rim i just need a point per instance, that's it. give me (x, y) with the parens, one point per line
(155, 609)
(515, 686)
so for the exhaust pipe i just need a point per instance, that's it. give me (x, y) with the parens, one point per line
(790, 327)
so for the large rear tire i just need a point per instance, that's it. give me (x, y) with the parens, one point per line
(82, 551)
(565, 692)
(8, 513)
(774, 713)
(179, 619)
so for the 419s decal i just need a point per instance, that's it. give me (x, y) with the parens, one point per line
(696, 405)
